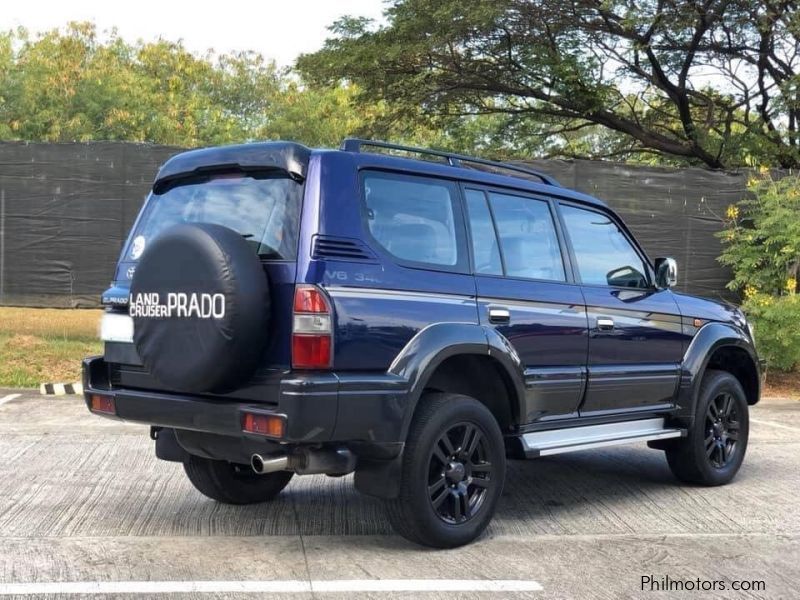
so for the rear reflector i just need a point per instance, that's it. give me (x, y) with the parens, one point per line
(268, 425)
(312, 329)
(102, 404)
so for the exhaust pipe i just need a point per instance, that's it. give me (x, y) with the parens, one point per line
(265, 464)
(330, 461)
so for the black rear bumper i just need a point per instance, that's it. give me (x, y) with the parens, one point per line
(318, 407)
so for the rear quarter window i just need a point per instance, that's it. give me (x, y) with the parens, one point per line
(415, 219)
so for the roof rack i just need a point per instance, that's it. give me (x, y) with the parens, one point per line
(454, 160)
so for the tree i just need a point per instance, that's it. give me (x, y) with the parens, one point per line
(710, 82)
(762, 247)
(761, 238)
(68, 86)
(74, 85)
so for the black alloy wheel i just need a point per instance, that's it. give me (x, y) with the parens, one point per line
(452, 473)
(722, 430)
(716, 442)
(459, 473)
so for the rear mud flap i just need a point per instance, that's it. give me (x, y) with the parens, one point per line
(379, 478)
(167, 446)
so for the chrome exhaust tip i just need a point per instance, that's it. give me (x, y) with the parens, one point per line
(269, 464)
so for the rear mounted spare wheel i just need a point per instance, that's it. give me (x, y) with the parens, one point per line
(200, 305)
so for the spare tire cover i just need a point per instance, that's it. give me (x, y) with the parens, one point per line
(200, 306)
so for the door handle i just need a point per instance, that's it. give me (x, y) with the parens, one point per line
(499, 315)
(605, 323)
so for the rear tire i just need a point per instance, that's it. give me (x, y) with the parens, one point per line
(234, 484)
(714, 449)
(453, 471)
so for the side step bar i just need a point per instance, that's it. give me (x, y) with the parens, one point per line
(557, 441)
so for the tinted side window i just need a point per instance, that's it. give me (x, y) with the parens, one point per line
(413, 218)
(528, 240)
(604, 254)
(485, 252)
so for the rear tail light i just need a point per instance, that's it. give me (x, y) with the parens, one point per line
(312, 329)
(102, 404)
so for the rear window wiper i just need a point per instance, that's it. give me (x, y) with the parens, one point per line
(269, 253)
(266, 252)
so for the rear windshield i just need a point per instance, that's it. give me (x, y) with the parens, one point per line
(264, 210)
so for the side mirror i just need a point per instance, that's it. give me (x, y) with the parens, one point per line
(666, 273)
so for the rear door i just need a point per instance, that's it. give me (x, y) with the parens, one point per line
(635, 340)
(263, 207)
(525, 291)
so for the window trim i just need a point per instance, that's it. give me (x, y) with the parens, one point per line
(649, 273)
(566, 257)
(462, 265)
(470, 240)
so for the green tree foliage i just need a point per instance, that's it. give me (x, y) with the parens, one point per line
(708, 82)
(775, 321)
(762, 247)
(76, 85)
(71, 85)
(762, 237)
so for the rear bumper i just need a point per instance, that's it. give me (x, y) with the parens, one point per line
(318, 407)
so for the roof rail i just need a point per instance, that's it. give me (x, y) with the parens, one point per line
(454, 160)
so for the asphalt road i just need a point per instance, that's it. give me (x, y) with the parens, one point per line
(85, 507)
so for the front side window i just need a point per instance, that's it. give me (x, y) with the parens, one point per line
(603, 253)
(528, 241)
(265, 211)
(412, 218)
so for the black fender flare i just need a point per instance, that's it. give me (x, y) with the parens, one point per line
(415, 364)
(709, 338)
(434, 344)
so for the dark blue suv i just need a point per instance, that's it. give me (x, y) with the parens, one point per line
(416, 321)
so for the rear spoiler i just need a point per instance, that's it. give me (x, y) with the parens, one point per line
(285, 157)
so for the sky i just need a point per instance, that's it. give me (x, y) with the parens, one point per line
(278, 29)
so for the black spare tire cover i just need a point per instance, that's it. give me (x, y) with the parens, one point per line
(200, 306)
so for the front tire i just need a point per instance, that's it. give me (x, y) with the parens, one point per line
(453, 472)
(714, 449)
(234, 484)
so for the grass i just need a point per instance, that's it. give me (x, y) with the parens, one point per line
(40, 345)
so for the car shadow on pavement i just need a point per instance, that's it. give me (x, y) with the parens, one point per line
(568, 494)
(608, 492)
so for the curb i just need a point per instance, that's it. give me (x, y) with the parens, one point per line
(61, 389)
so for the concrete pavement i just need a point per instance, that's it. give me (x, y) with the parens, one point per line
(84, 500)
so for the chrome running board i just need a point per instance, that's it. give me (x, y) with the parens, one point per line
(557, 441)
